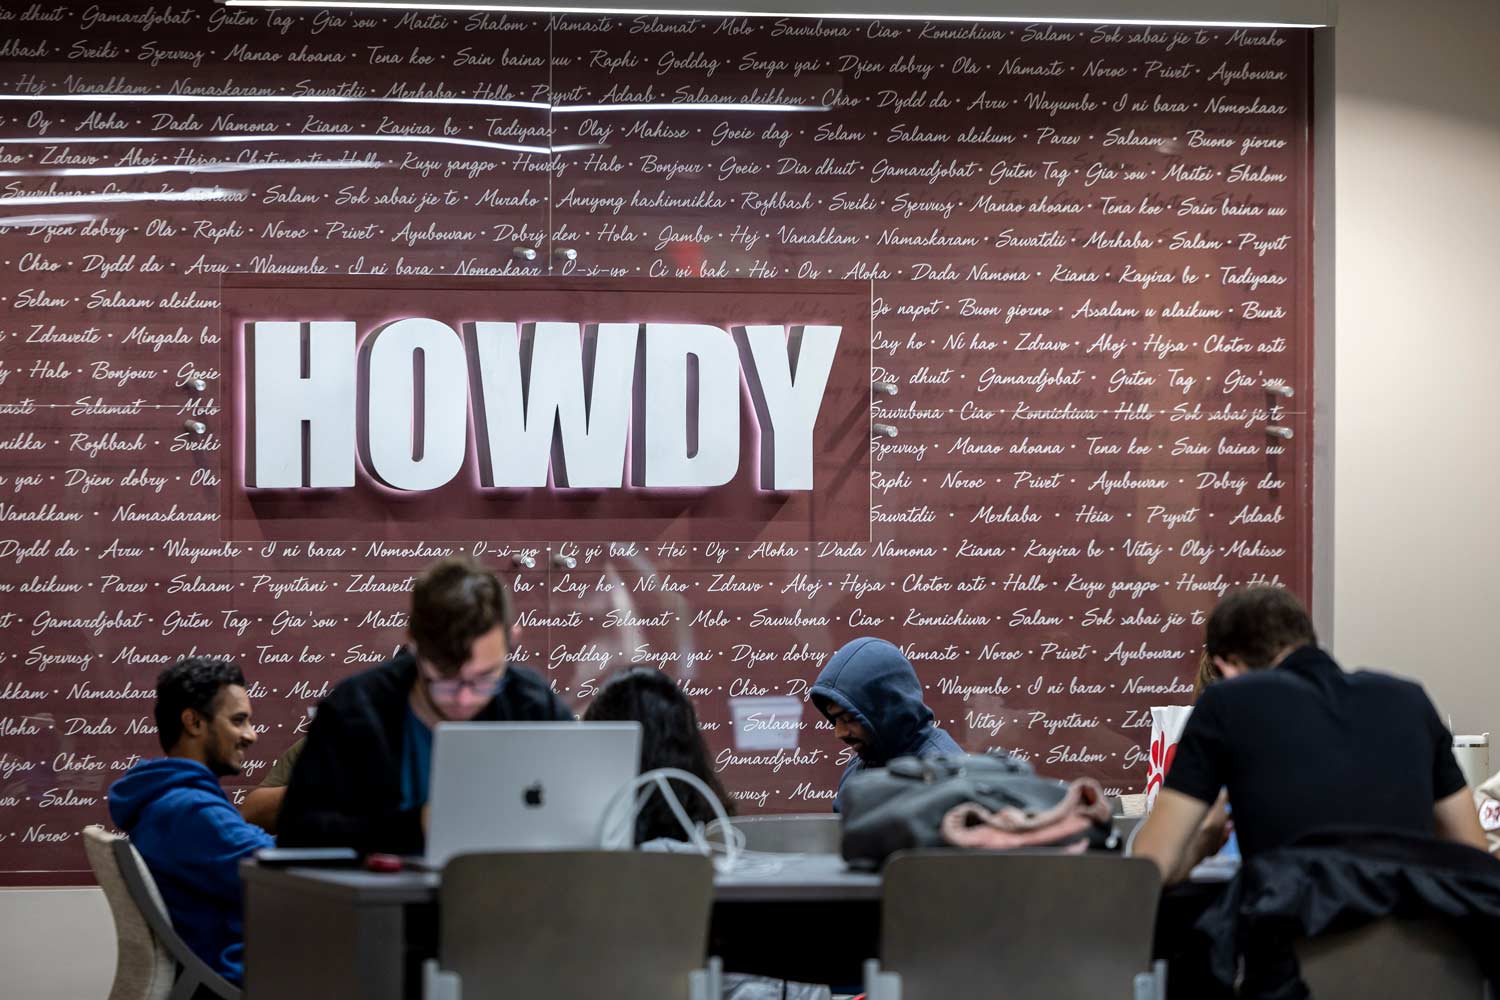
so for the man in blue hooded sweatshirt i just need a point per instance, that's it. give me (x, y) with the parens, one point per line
(189, 833)
(871, 694)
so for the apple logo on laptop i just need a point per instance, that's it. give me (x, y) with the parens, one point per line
(533, 795)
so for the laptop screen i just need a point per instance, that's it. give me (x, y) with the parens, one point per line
(526, 786)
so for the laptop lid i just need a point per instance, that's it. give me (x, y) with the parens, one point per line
(525, 786)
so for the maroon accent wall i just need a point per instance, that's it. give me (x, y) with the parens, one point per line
(1089, 249)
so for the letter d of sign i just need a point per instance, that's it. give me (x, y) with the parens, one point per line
(284, 399)
(692, 425)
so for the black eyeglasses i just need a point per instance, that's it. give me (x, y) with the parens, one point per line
(449, 688)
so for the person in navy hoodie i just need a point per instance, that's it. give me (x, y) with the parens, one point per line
(871, 694)
(178, 817)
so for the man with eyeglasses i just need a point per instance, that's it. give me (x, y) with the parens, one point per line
(362, 779)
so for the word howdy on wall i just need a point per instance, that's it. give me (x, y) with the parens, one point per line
(539, 408)
(546, 396)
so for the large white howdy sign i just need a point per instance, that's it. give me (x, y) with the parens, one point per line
(543, 409)
(546, 396)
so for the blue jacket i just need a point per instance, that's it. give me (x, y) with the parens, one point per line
(193, 840)
(871, 680)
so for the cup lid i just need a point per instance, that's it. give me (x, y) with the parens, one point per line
(1479, 740)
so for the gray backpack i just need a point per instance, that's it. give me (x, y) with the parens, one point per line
(901, 806)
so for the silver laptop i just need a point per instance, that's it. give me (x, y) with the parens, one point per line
(525, 786)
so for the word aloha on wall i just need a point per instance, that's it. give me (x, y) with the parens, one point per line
(1089, 255)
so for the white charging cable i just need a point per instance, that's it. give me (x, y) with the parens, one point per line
(617, 828)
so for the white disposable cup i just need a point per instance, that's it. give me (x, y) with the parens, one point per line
(1473, 756)
(1167, 722)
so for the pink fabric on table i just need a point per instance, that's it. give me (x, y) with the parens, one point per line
(971, 825)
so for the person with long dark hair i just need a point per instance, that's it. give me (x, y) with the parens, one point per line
(669, 738)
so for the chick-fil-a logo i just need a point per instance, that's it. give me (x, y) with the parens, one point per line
(1162, 755)
(584, 406)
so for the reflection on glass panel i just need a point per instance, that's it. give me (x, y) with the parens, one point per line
(1086, 256)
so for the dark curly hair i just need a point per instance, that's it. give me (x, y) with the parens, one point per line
(453, 603)
(669, 738)
(193, 682)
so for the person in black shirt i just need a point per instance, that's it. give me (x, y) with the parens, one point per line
(362, 779)
(1299, 744)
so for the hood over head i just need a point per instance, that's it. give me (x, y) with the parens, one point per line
(872, 681)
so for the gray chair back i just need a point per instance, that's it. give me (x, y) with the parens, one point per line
(628, 925)
(1391, 958)
(144, 969)
(812, 833)
(1045, 926)
(154, 962)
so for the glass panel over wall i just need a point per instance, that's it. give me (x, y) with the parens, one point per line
(1085, 253)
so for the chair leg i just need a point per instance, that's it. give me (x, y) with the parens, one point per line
(186, 985)
(881, 985)
(440, 985)
(1151, 985)
(707, 983)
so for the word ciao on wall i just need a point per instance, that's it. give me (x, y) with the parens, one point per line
(580, 403)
